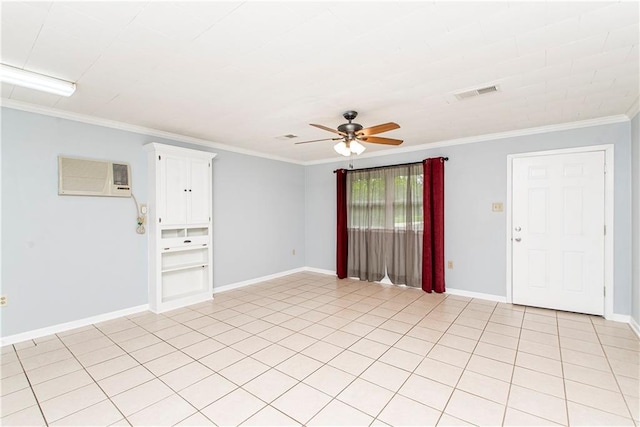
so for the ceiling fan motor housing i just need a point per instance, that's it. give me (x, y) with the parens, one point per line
(350, 128)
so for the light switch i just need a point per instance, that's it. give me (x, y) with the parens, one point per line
(497, 207)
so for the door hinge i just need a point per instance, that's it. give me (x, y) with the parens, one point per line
(159, 157)
(159, 219)
(604, 291)
(605, 229)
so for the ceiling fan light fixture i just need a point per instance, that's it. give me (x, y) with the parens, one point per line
(356, 147)
(29, 79)
(341, 148)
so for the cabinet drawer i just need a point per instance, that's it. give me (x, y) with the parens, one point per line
(176, 242)
(179, 237)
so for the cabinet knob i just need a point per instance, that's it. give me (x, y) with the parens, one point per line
(185, 189)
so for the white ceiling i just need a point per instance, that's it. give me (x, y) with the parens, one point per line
(245, 73)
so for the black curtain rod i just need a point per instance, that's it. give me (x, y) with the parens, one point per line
(388, 166)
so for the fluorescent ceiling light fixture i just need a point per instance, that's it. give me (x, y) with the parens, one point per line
(24, 78)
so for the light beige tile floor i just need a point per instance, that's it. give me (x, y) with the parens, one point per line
(310, 349)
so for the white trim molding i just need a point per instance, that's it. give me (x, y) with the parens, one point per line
(479, 295)
(608, 218)
(113, 124)
(320, 271)
(62, 327)
(83, 118)
(621, 118)
(231, 286)
(634, 325)
(634, 108)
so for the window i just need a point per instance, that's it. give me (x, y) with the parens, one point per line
(386, 199)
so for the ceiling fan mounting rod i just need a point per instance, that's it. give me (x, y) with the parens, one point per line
(350, 128)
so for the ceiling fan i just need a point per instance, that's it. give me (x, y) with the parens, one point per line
(352, 134)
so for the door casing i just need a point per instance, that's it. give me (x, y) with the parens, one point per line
(608, 218)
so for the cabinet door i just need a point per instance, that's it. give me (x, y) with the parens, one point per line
(199, 191)
(174, 189)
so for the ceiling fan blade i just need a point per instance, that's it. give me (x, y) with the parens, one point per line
(317, 140)
(379, 129)
(380, 140)
(327, 129)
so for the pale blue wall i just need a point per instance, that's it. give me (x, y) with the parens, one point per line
(476, 176)
(635, 148)
(68, 258)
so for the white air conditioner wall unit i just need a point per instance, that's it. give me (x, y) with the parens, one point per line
(85, 177)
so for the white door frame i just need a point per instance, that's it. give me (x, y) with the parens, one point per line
(608, 217)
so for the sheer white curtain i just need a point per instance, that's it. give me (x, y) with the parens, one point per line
(384, 210)
(366, 216)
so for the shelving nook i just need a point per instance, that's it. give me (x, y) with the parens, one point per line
(180, 240)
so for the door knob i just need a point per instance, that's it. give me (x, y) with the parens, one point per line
(517, 239)
(518, 228)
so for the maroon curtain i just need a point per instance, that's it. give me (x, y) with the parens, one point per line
(341, 238)
(433, 240)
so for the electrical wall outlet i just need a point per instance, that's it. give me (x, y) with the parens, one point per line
(3, 300)
(449, 264)
(497, 207)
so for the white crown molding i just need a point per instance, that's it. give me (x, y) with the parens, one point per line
(77, 117)
(481, 138)
(633, 110)
(47, 111)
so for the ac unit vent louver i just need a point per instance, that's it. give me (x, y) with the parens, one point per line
(476, 92)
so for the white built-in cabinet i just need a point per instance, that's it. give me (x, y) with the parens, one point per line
(180, 205)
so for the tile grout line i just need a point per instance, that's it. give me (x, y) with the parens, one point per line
(30, 387)
(455, 387)
(615, 377)
(513, 368)
(284, 295)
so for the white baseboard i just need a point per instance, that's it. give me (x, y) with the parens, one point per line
(319, 270)
(624, 318)
(634, 325)
(218, 289)
(62, 327)
(479, 295)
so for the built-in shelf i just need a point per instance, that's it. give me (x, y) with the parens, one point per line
(184, 248)
(180, 256)
(184, 267)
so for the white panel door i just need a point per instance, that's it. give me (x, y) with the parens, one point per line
(199, 191)
(558, 232)
(173, 175)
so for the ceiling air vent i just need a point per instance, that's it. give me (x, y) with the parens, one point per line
(476, 92)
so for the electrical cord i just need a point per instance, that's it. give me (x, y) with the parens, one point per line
(140, 217)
